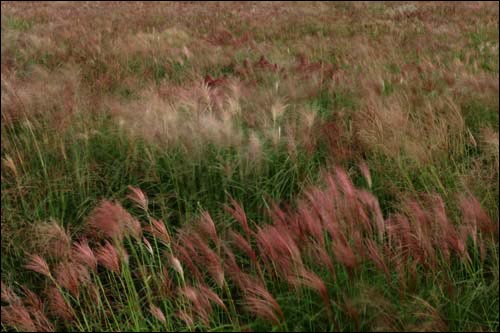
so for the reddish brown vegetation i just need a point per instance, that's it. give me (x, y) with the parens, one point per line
(337, 223)
(211, 82)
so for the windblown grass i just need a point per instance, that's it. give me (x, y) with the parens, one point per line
(241, 166)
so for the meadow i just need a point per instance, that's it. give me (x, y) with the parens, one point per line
(249, 166)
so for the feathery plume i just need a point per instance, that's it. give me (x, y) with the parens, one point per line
(201, 304)
(137, 195)
(186, 318)
(111, 220)
(210, 259)
(84, 254)
(311, 280)
(8, 295)
(158, 230)
(231, 266)
(17, 316)
(344, 254)
(376, 257)
(240, 242)
(71, 275)
(166, 283)
(176, 264)
(239, 214)
(208, 227)
(260, 302)
(107, 256)
(211, 295)
(365, 171)
(58, 305)
(35, 306)
(53, 240)
(148, 245)
(31, 299)
(186, 257)
(344, 182)
(475, 215)
(38, 264)
(157, 313)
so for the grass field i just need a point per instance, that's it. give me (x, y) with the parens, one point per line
(244, 166)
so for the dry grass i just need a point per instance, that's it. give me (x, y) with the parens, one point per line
(319, 166)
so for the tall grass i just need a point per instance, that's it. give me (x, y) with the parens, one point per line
(122, 273)
(240, 166)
